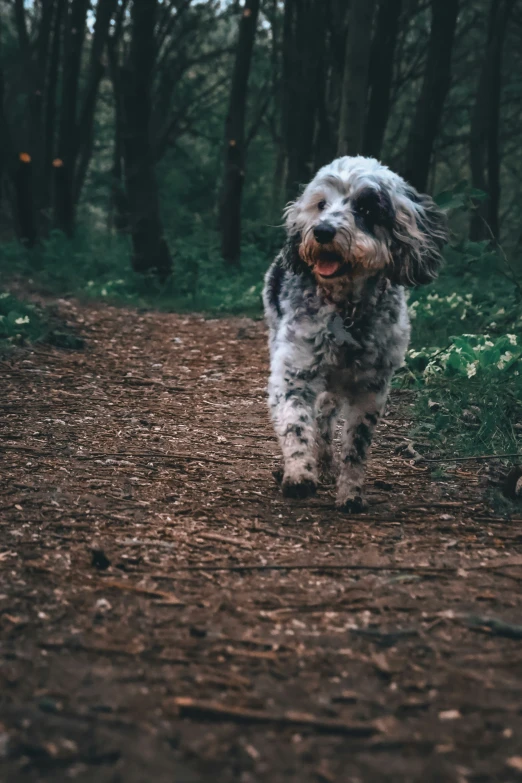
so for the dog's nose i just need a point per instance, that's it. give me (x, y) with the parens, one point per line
(324, 233)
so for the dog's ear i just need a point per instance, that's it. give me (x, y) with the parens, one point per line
(289, 256)
(419, 233)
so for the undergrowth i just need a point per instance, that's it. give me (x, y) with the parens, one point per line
(98, 267)
(22, 323)
(465, 357)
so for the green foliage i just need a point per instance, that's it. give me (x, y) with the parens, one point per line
(22, 322)
(466, 355)
(97, 266)
(19, 322)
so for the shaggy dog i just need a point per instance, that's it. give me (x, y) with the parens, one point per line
(336, 310)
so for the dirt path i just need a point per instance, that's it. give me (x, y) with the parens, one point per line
(152, 447)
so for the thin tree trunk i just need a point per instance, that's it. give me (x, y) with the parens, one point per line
(85, 136)
(380, 75)
(435, 87)
(64, 183)
(484, 136)
(230, 217)
(355, 78)
(304, 21)
(49, 121)
(150, 250)
(38, 109)
(24, 197)
(6, 149)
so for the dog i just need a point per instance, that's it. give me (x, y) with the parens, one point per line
(336, 311)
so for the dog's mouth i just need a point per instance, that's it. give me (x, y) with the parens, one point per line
(330, 264)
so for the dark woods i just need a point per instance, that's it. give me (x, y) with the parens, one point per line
(141, 117)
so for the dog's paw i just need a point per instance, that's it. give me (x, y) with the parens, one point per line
(301, 488)
(352, 505)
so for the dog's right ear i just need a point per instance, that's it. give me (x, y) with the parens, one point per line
(289, 256)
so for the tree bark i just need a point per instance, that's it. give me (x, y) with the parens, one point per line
(64, 183)
(380, 75)
(484, 136)
(150, 250)
(304, 21)
(230, 217)
(435, 87)
(85, 136)
(49, 120)
(355, 78)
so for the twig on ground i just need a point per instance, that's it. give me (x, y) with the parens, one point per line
(148, 591)
(193, 708)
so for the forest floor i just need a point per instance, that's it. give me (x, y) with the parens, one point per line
(166, 615)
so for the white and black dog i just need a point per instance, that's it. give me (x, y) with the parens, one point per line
(336, 310)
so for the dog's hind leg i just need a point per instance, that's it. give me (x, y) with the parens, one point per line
(361, 416)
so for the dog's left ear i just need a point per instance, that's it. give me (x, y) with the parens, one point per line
(419, 233)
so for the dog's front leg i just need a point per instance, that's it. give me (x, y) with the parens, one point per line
(292, 396)
(360, 418)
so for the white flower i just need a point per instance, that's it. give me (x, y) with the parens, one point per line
(500, 312)
(504, 359)
(24, 320)
(512, 338)
(4, 295)
(488, 344)
(471, 369)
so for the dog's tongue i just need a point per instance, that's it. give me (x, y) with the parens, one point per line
(327, 268)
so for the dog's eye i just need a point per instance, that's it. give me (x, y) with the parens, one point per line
(321, 205)
(366, 208)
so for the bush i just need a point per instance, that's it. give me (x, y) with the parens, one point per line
(466, 355)
(20, 322)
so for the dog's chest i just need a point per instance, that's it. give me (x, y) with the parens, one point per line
(333, 344)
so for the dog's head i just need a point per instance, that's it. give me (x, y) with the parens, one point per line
(357, 218)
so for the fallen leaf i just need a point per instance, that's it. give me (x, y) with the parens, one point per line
(449, 715)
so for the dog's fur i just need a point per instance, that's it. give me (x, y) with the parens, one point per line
(337, 338)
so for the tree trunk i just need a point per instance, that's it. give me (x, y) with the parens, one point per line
(355, 78)
(484, 136)
(49, 120)
(85, 136)
(303, 21)
(64, 182)
(436, 83)
(24, 197)
(230, 217)
(150, 250)
(380, 75)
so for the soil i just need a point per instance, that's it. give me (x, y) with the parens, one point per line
(166, 615)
